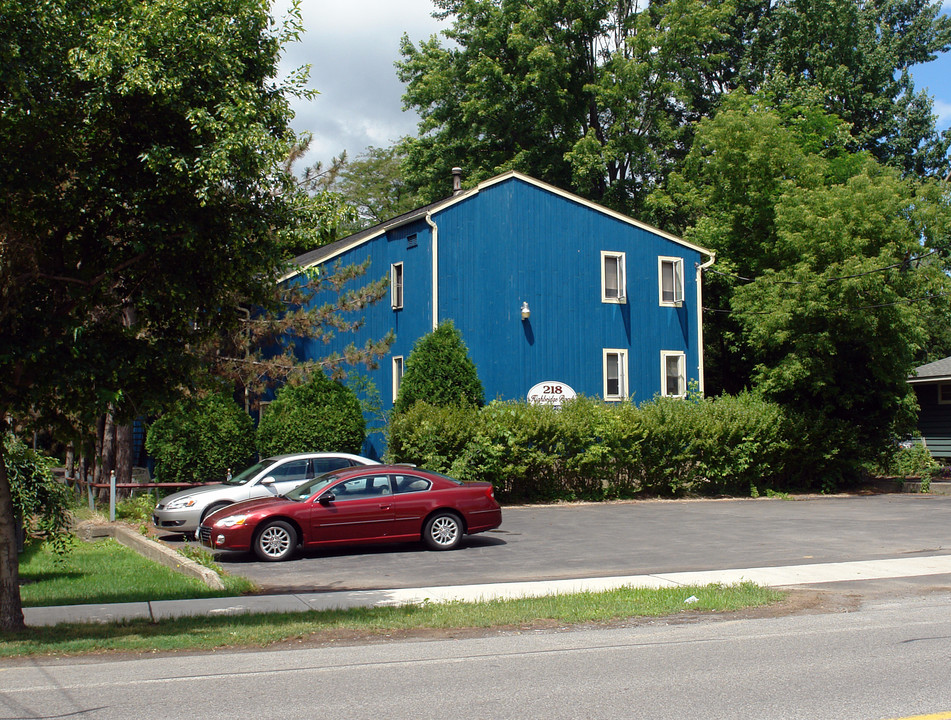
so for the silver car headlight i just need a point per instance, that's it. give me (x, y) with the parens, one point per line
(181, 503)
(232, 520)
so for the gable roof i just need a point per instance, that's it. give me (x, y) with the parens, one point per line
(328, 252)
(932, 372)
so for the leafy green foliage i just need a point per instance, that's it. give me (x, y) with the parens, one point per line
(200, 439)
(594, 451)
(614, 90)
(439, 371)
(155, 202)
(136, 508)
(319, 415)
(858, 56)
(912, 460)
(430, 436)
(829, 277)
(373, 184)
(39, 500)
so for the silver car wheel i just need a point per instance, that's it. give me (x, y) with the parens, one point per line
(443, 531)
(275, 541)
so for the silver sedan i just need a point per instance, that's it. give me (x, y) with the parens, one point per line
(182, 512)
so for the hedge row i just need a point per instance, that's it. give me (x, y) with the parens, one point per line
(590, 450)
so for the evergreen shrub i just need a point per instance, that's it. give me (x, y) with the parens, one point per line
(321, 415)
(440, 372)
(200, 439)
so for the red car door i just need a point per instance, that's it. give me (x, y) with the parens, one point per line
(359, 509)
(412, 502)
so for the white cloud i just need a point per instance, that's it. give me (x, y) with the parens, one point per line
(351, 47)
(943, 110)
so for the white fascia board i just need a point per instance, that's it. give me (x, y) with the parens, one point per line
(931, 379)
(466, 194)
(336, 253)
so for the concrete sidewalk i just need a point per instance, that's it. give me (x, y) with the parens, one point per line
(302, 602)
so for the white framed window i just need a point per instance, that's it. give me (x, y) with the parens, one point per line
(944, 394)
(671, 280)
(397, 374)
(396, 286)
(613, 277)
(614, 365)
(673, 380)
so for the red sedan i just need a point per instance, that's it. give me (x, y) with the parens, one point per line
(382, 503)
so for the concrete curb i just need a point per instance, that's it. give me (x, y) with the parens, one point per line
(152, 550)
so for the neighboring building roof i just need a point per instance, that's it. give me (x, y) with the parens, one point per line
(326, 252)
(937, 371)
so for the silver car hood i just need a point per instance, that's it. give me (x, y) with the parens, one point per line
(200, 490)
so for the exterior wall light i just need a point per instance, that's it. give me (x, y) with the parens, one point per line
(526, 312)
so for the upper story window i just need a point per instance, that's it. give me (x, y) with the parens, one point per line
(671, 271)
(944, 394)
(396, 286)
(673, 379)
(613, 280)
(615, 374)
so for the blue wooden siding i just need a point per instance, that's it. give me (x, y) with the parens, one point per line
(515, 242)
(410, 323)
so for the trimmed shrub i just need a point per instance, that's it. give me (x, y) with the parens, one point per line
(440, 372)
(321, 415)
(593, 450)
(430, 436)
(200, 439)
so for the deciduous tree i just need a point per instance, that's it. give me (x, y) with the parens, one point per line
(831, 268)
(142, 198)
(603, 96)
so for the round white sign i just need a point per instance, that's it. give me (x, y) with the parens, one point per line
(550, 392)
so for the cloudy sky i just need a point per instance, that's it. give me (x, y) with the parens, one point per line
(351, 47)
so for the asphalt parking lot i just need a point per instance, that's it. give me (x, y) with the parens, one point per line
(627, 538)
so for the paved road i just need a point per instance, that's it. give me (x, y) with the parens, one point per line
(885, 660)
(579, 541)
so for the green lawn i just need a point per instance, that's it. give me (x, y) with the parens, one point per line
(248, 631)
(107, 572)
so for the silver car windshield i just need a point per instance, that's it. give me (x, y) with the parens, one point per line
(245, 475)
(305, 490)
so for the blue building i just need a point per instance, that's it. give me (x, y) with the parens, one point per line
(546, 288)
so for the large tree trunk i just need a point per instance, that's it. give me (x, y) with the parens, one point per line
(70, 461)
(108, 455)
(124, 456)
(11, 610)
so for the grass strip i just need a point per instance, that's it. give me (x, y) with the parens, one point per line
(260, 630)
(105, 571)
